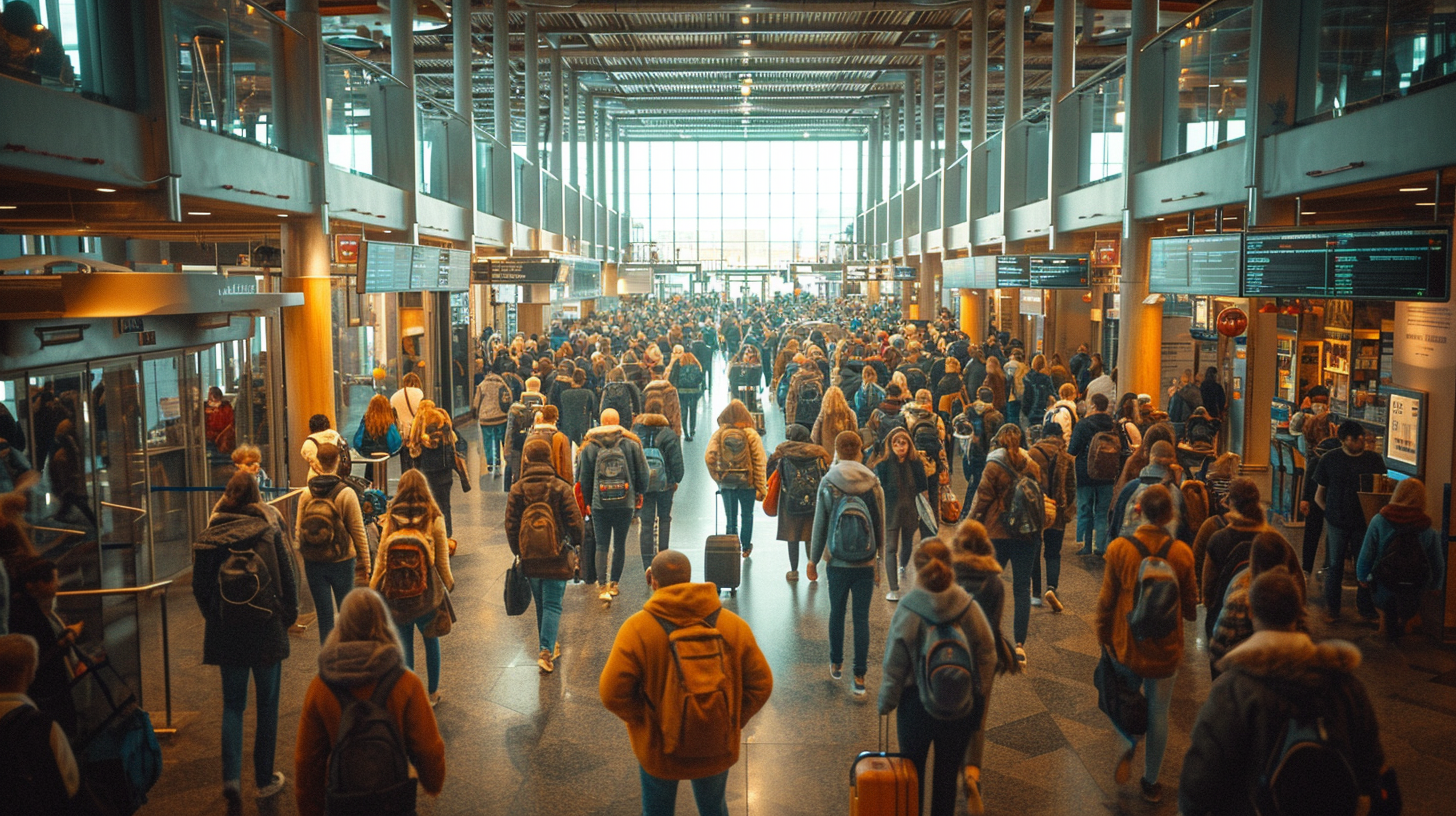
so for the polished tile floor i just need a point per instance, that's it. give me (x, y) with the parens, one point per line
(521, 743)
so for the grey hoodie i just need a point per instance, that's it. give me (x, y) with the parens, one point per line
(855, 479)
(356, 662)
(903, 667)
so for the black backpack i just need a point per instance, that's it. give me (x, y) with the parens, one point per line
(618, 396)
(1403, 567)
(800, 485)
(1025, 514)
(925, 435)
(811, 397)
(369, 769)
(322, 536)
(1309, 772)
(33, 782)
(690, 378)
(247, 588)
(948, 683)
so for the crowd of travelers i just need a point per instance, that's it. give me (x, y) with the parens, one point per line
(584, 428)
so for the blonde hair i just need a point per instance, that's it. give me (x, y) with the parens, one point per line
(363, 616)
(248, 454)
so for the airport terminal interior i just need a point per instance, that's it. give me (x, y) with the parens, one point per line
(226, 223)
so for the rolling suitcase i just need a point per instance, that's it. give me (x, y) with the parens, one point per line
(883, 784)
(722, 557)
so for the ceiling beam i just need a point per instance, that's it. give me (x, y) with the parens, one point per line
(709, 7)
(738, 52)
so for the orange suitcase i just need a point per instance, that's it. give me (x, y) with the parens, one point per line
(882, 783)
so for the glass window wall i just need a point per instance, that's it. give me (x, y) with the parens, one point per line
(1207, 91)
(229, 55)
(1358, 51)
(1103, 115)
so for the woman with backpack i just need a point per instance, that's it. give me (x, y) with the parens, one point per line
(973, 430)
(412, 569)
(902, 474)
(798, 463)
(940, 663)
(1403, 556)
(687, 376)
(1000, 503)
(835, 415)
(1059, 484)
(361, 666)
(1129, 411)
(245, 625)
(662, 449)
(736, 461)
(378, 433)
(1268, 551)
(544, 529)
(1228, 549)
(869, 396)
(432, 447)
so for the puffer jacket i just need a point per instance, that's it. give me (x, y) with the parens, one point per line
(234, 644)
(608, 436)
(920, 610)
(993, 495)
(654, 431)
(539, 482)
(671, 407)
(1241, 724)
(852, 478)
(739, 418)
(1058, 478)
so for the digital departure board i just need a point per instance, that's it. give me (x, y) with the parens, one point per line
(1195, 264)
(1367, 263)
(1013, 271)
(407, 268)
(385, 267)
(1058, 271)
(977, 272)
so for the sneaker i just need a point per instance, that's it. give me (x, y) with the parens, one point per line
(543, 660)
(614, 588)
(859, 685)
(974, 805)
(1152, 791)
(813, 572)
(232, 791)
(747, 551)
(1052, 600)
(605, 594)
(1123, 774)
(434, 699)
(1021, 655)
(901, 573)
(892, 596)
(556, 652)
(793, 575)
(1086, 550)
(273, 787)
(836, 671)
(1035, 601)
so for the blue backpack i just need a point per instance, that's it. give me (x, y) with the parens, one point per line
(851, 536)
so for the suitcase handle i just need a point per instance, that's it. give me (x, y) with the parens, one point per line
(883, 737)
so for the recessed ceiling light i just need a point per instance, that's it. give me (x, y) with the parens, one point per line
(1160, 218)
(387, 232)
(1425, 203)
(1308, 212)
(745, 19)
(1230, 218)
(7, 206)
(1414, 189)
(282, 215)
(746, 90)
(1182, 229)
(105, 189)
(199, 213)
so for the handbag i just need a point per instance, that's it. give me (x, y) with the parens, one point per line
(444, 619)
(771, 499)
(120, 759)
(1120, 695)
(929, 525)
(950, 506)
(517, 590)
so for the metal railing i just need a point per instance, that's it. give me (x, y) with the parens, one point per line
(158, 588)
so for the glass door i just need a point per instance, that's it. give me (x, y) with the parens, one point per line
(173, 458)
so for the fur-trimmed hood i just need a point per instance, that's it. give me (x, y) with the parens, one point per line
(609, 435)
(651, 420)
(1291, 657)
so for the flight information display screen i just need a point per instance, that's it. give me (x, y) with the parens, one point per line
(408, 268)
(1013, 271)
(1367, 263)
(1195, 265)
(385, 267)
(1058, 271)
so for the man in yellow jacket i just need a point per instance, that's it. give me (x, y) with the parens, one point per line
(685, 717)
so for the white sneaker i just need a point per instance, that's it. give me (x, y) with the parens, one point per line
(1035, 601)
(605, 594)
(892, 596)
(272, 788)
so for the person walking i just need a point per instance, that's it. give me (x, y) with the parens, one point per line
(492, 404)
(1338, 477)
(48, 779)
(902, 473)
(869, 396)
(849, 525)
(1401, 558)
(544, 529)
(432, 447)
(1227, 549)
(688, 377)
(363, 660)
(1058, 483)
(973, 431)
(1268, 551)
(672, 737)
(545, 429)
(948, 709)
(412, 570)
(378, 434)
(835, 415)
(736, 461)
(1153, 651)
(405, 402)
(320, 432)
(800, 465)
(578, 408)
(998, 501)
(669, 401)
(329, 530)
(1093, 495)
(662, 448)
(245, 586)
(611, 472)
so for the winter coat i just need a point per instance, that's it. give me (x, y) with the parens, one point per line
(487, 401)
(371, 445)
(578, 413)
(539, 482)
(671, 407)
(358, 666)
(803, 375)
(560, 447)
(1058, 478)
(655, 432)
(639, 667)
(310, 447)
(757, 457)
(234, 644)
(1392, 519)
(1081, 440)
(917, 613)
(1241, 724)
(980, 575)
(1184, 400)
(608, 436)
(347, 504)
(889, 471)
(973, 375)
(1105, 386)
(1154, 659)
(994, 493)
(829, 424)
(804, 454)
(1232, 541)
(1035, 388)
(634, 399)
(853, 478)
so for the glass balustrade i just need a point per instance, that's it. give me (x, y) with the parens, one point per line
(1357, 52)
(1102, 118)
(229, 61)
(1208, 104)
(354, 92)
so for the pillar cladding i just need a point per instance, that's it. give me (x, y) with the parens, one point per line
(308, 336)
(928, 272)
(1140, 327)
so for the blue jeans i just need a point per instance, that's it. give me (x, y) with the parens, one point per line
(328, 584)
(491, 437)
(547, 594)
(1021, 553)
(659, 796)
(432, 648)
(736, 499)
(1339, 545)
(845, 582)
(1093, 503)
(655, 507)
(1160, 695)
(234, 703)
(610, 525)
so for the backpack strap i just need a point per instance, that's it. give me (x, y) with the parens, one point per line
(710, 621)
(382, 689)
(1164, 547)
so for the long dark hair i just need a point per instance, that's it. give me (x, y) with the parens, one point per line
(240, 494)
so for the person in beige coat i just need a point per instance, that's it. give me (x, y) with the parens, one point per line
(740, 482)
(835, 415)
(664, 390)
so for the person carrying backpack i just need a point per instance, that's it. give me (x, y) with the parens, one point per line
(1059, 484)
(544, 529)
(800, 465)
(688, 378)
(685, 718)
(665, 394)
(805, 396)
(245, 586)
(621, 396)
(330, 534)
(492, 403)
(662, 448)
(518, 423)
(546, 430)
(1147, 593)
(869, 396)
(320, 432)
(612, 474)
(432, 447)
(1011, 505)
(1227, 550)
(366, 720)
(1287, 722)
(1268, 551)
(849, 527)
(940, 662)
(901, 470)
(736, 461)
(1401, 557)
(1094, 490)
(412, 569)
(1162, 469)
(41, 774)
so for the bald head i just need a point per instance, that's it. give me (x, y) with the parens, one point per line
(670, 567)
(611, 417)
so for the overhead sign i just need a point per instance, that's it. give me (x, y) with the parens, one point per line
(904, 273)
(385, 267)
(977, 272)
(516, 271)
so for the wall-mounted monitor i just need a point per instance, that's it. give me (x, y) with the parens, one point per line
(385, 267)
(1359, 263)
(1013, 271)
(1195, 264)
(1058, 271)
